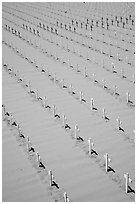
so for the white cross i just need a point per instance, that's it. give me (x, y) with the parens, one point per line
(115, 89)
(80, 96)
(4, 109)
(85, 72)
(128, 180)
(127, 97)
(69, 62)
(91, 144)
(122, 72)
(62, 83)
(104, 83)
(77, 67)
(119, 122)
(103, 63)
(54, 109)
(107, 160)
(113, 66)
(11, 118)
(66, 197)
(64, 120)
(92, 103)
(29, 86)
(37, 95)
(76, 131)
(28, 146)
(104, 113)
(133, 78)
(51, 177)
(38, 157)
(94, 77)
(44, 101)
(70, 87)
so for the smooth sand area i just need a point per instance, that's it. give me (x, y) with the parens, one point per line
(20, 181)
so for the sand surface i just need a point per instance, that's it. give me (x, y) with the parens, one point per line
(20, 181)
(82, 176)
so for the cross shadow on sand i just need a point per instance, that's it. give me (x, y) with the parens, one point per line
(106, 118)
(130, 190)
(111, 169)
(94, 152)
(120, 128)
(94, 108)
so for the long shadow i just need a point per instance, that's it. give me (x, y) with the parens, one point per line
(80, 139)
(106, 118)
(94, 152)
(55, 184)
(111, 169)
(32, 149)
(130, 102)
(42, 165)
(94, 109)
(130, 190)
(73, 92)
(105, 87)
(67, 126)
(64, 87)
(114, 71)
(121, 129)
(117, 94)
(83, 100)
(124, 77)
(95, 81)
